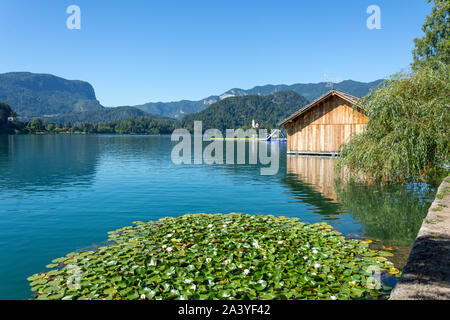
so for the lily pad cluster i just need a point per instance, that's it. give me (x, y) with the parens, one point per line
(216, 256)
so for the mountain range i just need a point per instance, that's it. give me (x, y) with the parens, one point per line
(60, 100)
(310, 91)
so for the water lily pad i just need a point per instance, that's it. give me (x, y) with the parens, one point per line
(215, 256)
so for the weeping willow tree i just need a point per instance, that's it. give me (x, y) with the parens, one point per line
(434, 46)
(407, 135)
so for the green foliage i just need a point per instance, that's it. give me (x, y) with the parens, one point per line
(5, 112)
(6, 127)
(434, 46)
(138, 125)
(36, 125)
(238, 112)
(407, 134)
(103, 115)
(205, 256)
(133, 125)
(392, 213)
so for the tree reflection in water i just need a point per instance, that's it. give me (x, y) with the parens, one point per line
(389, 215)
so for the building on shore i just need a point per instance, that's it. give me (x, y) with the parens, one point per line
(322, 126)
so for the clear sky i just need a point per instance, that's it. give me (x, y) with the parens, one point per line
(135, 51)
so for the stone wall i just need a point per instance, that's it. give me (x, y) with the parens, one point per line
(426, 275)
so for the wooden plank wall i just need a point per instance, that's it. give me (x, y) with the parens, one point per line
(318, 172)
(324, 127)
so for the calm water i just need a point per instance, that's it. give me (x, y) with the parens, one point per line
(63, 193)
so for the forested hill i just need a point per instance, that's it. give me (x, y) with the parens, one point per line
(37, 95)
(238, 112)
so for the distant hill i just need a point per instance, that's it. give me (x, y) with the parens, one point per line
(177, 109)
(310, 91)
(238, 112)
(103, 115)
(38, 95)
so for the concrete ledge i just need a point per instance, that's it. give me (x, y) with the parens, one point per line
(426, 275)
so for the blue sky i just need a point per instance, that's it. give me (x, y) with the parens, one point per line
(134, 52)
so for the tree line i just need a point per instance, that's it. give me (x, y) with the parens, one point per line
(231, 113)
(133, 125)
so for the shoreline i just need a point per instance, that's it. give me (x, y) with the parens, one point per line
(426, 275)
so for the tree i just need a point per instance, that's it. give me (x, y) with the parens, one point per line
(407, 133)
(50, 127)
(435, 44)
(36, 125)
(5, 113)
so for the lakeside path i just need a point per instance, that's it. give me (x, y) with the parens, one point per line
(426, 275)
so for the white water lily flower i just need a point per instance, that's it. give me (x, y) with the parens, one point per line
(246, 271)
(317, 266)
(208, 260)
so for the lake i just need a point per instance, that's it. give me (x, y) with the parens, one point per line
(61, 193)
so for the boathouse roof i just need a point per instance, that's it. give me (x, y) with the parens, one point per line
(348, 97)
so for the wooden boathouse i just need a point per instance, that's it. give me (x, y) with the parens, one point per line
(322, 126)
